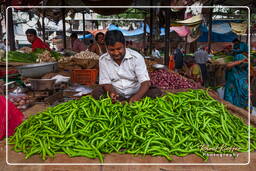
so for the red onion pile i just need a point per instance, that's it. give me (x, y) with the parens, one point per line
(171, 80)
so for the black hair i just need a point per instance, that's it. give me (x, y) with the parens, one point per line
(98, 34)
(73, 35)
(236, 40)
(31, 31)
(114, 36)
(189, 59)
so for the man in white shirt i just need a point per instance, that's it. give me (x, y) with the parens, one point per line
(156, 53)
(201, 58)
(123, 72)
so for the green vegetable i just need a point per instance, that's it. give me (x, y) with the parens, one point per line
(175, 124)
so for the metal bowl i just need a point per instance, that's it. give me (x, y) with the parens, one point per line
(37, 70)
(159, 66)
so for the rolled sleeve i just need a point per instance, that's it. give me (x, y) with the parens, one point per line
(141, 70)
(103, 74)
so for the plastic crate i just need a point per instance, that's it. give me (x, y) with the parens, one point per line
(84, 76)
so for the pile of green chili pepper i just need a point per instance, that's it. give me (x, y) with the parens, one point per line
(175, 124)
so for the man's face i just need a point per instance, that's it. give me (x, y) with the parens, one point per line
(117, 51)
(30, 37)
(100, 39)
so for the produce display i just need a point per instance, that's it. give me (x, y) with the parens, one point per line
(222, 59)
(21, 102)
(82, 55)
(15, 56)
(175, 124)
(149, 64)
(26, 49)
(170, 80)
(84, 59)
(39, 55)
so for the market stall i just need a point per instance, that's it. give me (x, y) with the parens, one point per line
(188, 123)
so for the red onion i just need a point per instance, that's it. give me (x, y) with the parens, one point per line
(171, 80)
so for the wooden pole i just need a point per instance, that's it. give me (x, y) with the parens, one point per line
(83, 26)
(43, 25)
(210, 30)
(151, 30)
(167, 36)
(64, 28)
(11, 37)
(144, 34)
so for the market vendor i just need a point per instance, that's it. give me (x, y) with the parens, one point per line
(236, 87)
(201, 58)
(98, 47)
(123, 72)
(239, 47)
(37, 43)
(192, 70)
(76, 44)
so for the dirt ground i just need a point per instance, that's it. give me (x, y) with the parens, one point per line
(14, 157)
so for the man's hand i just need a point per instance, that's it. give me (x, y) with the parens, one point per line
(114, 96)
(134, 98)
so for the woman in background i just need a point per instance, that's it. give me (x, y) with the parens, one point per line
(236, 87)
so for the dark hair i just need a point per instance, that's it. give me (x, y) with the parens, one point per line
(73, 35)
(31, 31)
(189, 59)
(236, 40)
(97, 35)
(114, 36)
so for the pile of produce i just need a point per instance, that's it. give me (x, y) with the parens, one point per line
(175, 124)
(82, 55)
(21, 102)
(221, 58)
(26, 49)
(15, 56)
(149, 64)
(170, 80)
(84, 59)
(39, 55)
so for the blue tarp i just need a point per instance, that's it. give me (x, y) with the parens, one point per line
(87, 36)
(221, 31)
(135, 32)
(217, 37)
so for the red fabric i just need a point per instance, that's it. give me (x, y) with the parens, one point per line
(38, 43)
(15, 118)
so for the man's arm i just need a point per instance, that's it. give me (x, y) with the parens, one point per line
(141, 92)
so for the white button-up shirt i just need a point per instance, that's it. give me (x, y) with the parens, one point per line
(127, 77)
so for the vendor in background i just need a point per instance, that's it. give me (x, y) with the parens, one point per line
(236, 87)
(178, 58)
(156, 53)
(123, 72)
(36, 41)
(192, 70)
(76, 44)
(239, 47)
(201, 58)
(98, 47)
